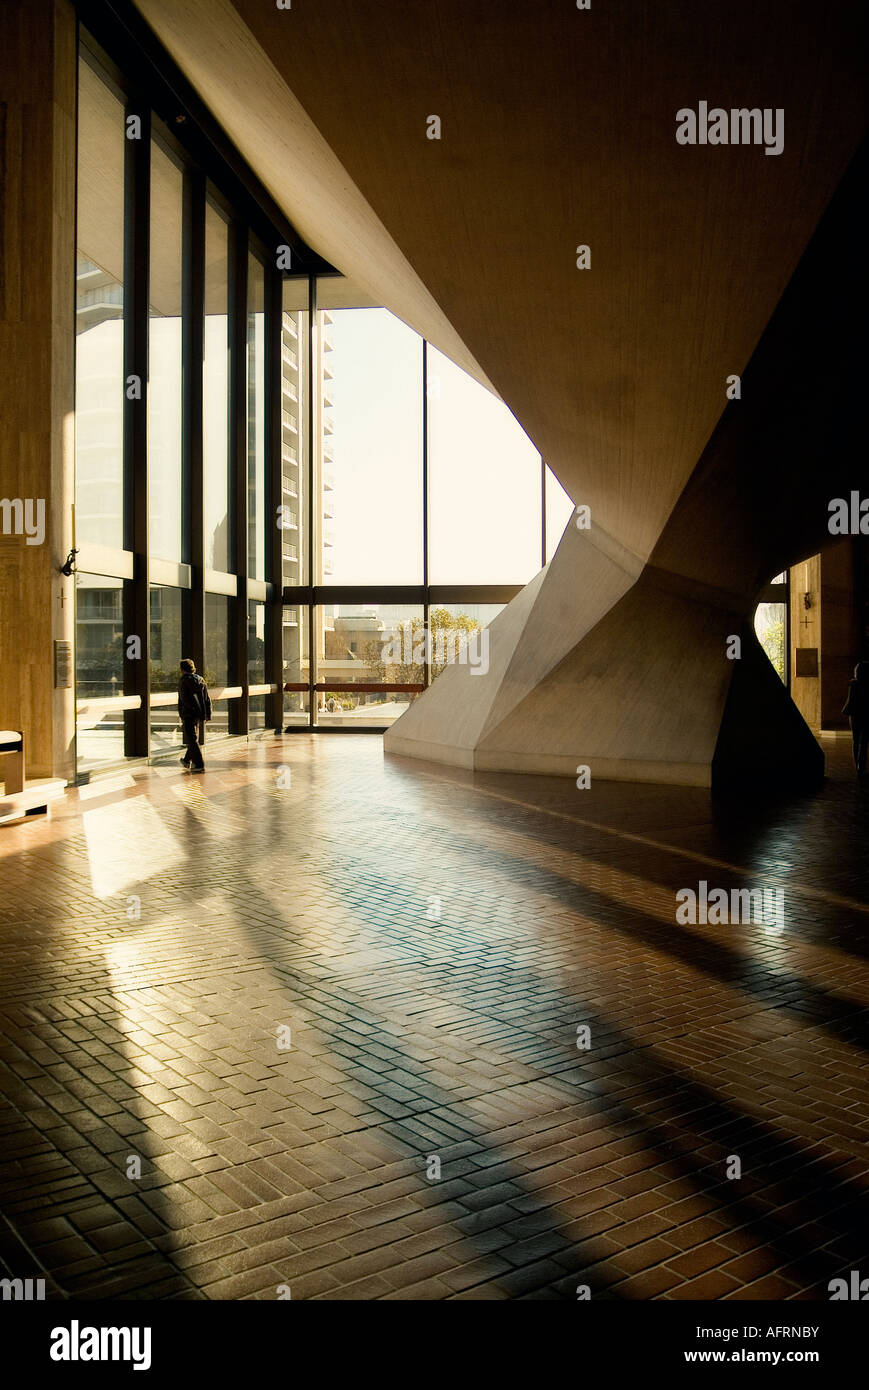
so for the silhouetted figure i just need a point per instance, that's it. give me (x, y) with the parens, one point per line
(857, 709)
(194, 704)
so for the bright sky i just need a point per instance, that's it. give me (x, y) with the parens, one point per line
(484, 472)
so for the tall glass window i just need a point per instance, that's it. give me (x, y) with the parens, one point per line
(456, 634)
(364, 644)
(295, 668)
(256, 661)
(99, 669)
(484, 484)
(294, 426)
(371, 449)
(167, 635)
(215, 394)
(99, 310)
(168, 611)
(164, 356)
(256, 456)
(99, 639)
(216, 640)
(355, 403)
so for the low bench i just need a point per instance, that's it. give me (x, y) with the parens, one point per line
(19, 797)
(12, 745)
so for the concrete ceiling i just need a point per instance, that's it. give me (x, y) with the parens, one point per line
(558, 128)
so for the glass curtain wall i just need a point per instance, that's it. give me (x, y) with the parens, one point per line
(99, 669)
(295, 515)
(169, 610)
(99, 436)
(432, 510)
(275, 476)
(217, 536)
(296, 666)
(366, 671)
(256, 664)
(165, 480)
(256, 464)
(485, 504)
(177, 303)
(371, 470)
(99, 316)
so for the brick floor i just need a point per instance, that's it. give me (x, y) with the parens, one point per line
(431, 941)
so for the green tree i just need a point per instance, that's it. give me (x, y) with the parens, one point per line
(413, 672)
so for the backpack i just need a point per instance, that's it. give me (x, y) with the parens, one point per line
(204, 698)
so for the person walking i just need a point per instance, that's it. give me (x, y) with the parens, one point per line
(857, 708)
(194, 705)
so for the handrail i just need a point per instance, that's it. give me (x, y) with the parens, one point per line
(368, 687)
(161, 699)
(108, 702)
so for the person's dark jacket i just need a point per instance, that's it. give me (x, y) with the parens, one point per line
(857, 703)
(194, 701)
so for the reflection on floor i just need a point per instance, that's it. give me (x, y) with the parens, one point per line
(317, 1020)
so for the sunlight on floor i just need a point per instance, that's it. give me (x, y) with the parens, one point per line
(127, 844)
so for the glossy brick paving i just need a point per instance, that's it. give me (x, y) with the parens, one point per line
(416, 1037)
